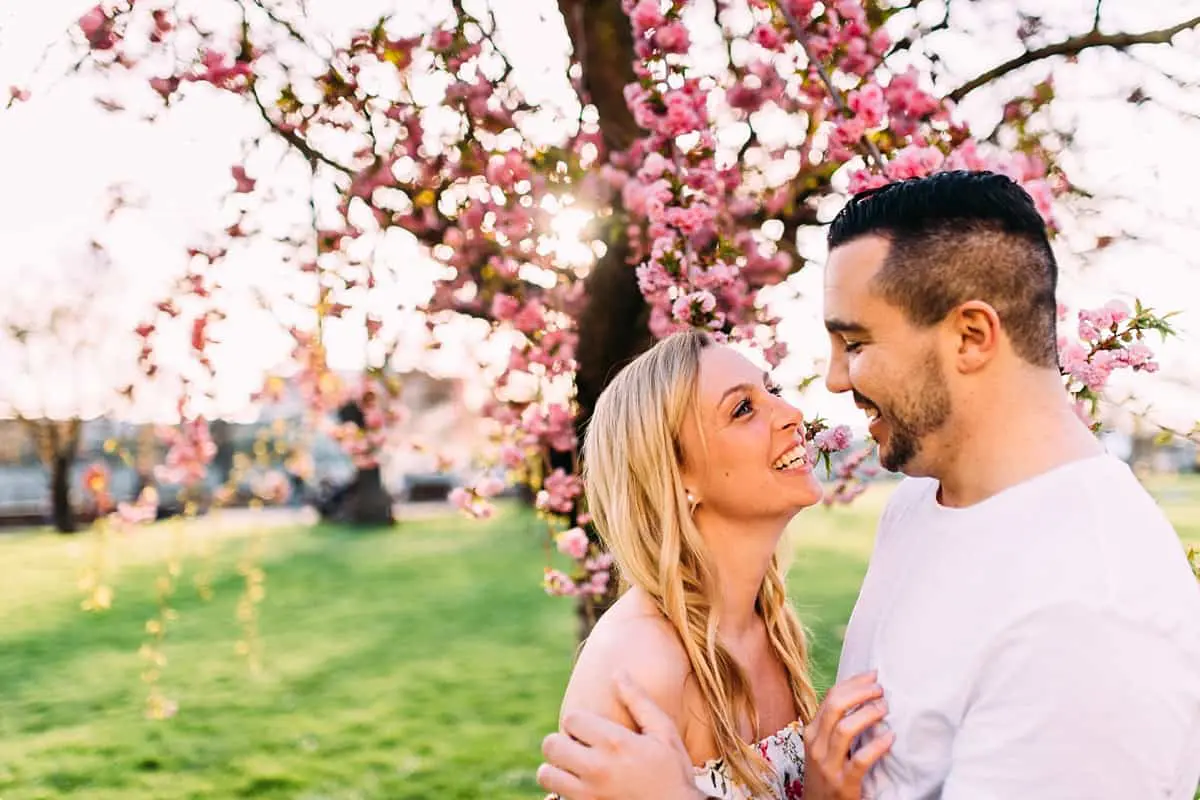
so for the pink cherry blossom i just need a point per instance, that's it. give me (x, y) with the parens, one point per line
(559, 584)
(601, 562)
(530, 317)
(505, 307)
(647, 14)
(470, 503)
(559, 491)
(834, 439)
(572, 542)
(767, 36)
(143, 510)
(672, 38)
(868, 104)
(512, 456)
(97, 29)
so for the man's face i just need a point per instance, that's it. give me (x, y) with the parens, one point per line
(891, 366)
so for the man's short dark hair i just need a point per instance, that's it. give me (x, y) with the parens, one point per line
(960, 236)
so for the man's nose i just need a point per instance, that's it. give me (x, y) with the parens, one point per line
(837, 378)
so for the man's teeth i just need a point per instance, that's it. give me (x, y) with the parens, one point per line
(797, 455)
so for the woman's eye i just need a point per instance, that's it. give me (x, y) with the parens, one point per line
(775, 389)
(743, 408)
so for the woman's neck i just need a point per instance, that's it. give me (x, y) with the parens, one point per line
(741, 552)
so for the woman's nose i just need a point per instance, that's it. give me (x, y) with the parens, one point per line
(788, 415)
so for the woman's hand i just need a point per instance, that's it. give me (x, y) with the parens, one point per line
(594, 758)
(850, 708)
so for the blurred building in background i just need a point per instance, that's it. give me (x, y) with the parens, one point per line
(432, 451)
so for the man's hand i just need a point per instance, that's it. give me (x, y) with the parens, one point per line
(850, 708)
(596, 759)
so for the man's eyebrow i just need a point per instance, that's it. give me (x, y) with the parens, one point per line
(834, 325)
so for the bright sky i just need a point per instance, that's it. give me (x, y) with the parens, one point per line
(63, 152)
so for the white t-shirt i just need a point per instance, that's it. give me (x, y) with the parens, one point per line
(1044, 643)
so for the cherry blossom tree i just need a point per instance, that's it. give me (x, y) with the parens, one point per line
(701, 141)
(60, 367)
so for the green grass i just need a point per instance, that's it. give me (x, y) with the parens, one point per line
(422, 662)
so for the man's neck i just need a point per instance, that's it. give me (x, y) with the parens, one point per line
(1028, 430)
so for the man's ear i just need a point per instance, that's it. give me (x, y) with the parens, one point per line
(977, 331)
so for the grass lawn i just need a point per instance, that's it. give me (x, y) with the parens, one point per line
(422, 662)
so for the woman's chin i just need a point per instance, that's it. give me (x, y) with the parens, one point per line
(809, 494)
(803, 487)
(815, 497)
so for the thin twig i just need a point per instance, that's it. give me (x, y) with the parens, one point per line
(838, 101)
(912, 38)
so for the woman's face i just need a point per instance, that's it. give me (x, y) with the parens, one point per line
(751, 462)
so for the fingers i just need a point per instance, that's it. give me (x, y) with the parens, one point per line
(645, 712)
(559, 781)
(566, 754)
(854, 723)
(867, 755)
(844, 696)
(594, 730)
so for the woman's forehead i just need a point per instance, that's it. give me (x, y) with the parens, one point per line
(722, 369)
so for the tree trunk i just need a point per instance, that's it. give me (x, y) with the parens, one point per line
(613, 327)
(57, 446)
(368, 502)
(61, 512)
(365, 500)
(222, 463)
(613, 330)
(602, 41)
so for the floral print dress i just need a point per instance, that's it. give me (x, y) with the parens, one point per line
(784, 751)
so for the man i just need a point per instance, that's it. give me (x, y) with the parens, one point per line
(1027, 610)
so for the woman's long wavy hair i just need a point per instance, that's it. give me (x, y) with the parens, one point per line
(633, 464)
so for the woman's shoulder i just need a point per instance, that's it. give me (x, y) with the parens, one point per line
(632, 637)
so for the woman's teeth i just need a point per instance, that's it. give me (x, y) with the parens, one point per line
(796, 456)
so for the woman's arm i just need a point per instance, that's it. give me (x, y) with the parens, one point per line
(624, 717)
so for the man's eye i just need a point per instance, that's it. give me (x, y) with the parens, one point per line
(852, 347)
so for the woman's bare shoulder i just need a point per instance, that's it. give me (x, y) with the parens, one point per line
(632, 637)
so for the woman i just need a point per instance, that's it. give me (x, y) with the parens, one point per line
(694, 466)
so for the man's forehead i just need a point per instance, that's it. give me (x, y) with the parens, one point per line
(856, 261)
(849, 270)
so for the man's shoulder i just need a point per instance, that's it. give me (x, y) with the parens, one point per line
(909, 495)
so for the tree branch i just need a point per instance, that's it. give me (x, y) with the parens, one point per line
(291, 29)
(294, 139)
(912, 38)
(1073, 46)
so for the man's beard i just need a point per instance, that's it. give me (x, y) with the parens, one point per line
(915, 416)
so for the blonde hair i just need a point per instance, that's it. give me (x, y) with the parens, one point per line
(634, 487)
